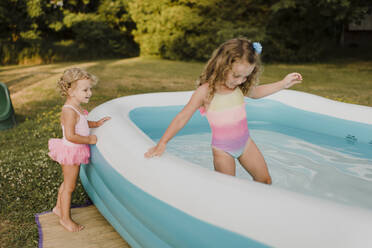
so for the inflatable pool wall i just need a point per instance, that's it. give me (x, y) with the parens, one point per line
(170, 202)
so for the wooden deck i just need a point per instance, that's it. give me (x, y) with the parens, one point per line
(97, 232)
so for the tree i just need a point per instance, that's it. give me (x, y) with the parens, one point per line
(16, 28)
(300, 30)
(291, 30)
(49, 30)
(190, 29)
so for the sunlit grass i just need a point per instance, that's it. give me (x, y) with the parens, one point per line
(29, 179)
(346, 82)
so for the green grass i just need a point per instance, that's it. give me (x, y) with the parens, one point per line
(29, 179)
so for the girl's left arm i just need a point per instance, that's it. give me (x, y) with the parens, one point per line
(95, 124)
(268, 89)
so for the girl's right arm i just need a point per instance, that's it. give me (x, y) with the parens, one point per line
(69, 118)
(179, 121)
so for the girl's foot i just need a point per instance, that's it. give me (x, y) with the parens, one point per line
(57, 211)
(71, 226)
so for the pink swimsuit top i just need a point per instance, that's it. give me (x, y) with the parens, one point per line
(228, 121)
(81, 127)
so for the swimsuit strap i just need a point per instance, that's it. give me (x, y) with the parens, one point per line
(72, 107)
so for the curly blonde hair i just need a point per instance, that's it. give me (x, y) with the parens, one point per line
(218, 66)
(71, 76)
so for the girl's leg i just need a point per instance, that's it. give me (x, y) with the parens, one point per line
(70, 174)
(254, 163)
(57, 208)
(223, 162)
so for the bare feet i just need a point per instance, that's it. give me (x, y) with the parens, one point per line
(71, 226)
(57, 211)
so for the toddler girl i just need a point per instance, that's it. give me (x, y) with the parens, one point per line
(73, 149)
(229, 75)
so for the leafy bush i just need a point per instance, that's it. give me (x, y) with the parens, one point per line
(31, 31)
(191, 29)
(94, 38)
(306, 30)
(291, 30)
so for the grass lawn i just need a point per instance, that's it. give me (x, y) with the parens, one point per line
(29, 180)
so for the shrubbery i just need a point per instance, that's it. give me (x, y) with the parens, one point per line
(305, 30)
(291, 30)
(48, 31)
(53, 30)
(193, 29)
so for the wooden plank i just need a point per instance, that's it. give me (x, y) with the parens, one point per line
(97, 232)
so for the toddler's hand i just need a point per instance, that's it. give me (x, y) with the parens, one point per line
(92, 139)
(292, 79)
(101, 121)
(157, 150)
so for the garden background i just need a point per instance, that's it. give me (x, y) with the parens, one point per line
(150, 46)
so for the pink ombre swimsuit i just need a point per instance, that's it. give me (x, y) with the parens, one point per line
(228, 120)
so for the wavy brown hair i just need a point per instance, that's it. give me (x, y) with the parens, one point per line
(71, 76)
(218, 66)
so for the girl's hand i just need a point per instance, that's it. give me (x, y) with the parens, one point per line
(157, 150)
(92, 139)
(101, 121)
(292, 79)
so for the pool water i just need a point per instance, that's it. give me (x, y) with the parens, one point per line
(299, 160)
(295, 164)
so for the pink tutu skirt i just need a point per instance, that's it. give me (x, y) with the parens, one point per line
(66, 154)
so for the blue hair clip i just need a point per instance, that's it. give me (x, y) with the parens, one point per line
(257, 47)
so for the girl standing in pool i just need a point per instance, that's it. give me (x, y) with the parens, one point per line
(230, 74)
(73, 149)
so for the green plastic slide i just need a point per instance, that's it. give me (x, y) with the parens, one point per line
(7, 116)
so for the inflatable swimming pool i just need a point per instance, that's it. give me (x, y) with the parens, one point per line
(172, 202)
